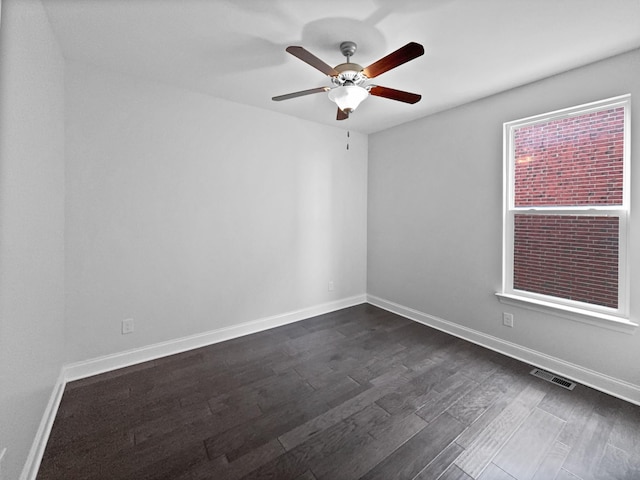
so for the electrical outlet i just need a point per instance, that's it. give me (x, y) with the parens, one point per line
(127, 326)
(331, 287)
(507, 319)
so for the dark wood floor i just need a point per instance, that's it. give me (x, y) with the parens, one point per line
(359, 393)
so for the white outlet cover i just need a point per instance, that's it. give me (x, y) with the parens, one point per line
(127, 326)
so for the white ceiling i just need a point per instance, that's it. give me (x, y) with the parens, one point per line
(235, 49)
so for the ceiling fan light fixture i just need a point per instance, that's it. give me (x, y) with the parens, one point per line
(348, 97)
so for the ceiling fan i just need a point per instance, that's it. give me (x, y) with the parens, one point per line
(349, 80)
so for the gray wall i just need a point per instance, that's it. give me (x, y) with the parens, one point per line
(190, 213)
(31, 224)
(435, 218)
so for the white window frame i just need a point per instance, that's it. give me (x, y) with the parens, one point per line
(564, 307)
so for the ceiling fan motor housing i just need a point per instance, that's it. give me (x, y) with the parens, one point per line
(349, 74)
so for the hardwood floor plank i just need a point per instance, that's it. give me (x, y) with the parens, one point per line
(524, 451)
(438, 465)
(493, 472)
(584, 406)
(564, 475)
(412, 457)
(384, 361)
(469, 436)
(279, 392)
(164, 425)
(624, 433)
(585, 456)
(267, 381)
(552, 462)
(342, 435)
(220, 468)
(561, 402)
(317, 373)
(414, 394)
(320, 338)
(467, 359)
(285, 467)
(479, 399)
(330, 354)
(398, 373)
(446, 393)
(454, 473)
(418, 357)
(239, 440)
(617, 464)
(163, 459)
(311, 453)
(475, 458)
(336, 414)
(352, 463)
(308, 475)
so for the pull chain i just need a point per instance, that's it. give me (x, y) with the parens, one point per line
(348, 139)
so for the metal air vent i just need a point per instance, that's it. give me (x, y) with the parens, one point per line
(550, 377)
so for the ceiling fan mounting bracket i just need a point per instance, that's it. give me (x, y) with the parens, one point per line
(348, 49)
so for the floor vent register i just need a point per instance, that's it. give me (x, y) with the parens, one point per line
(550, 377)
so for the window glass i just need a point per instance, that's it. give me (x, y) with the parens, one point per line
(571, 161)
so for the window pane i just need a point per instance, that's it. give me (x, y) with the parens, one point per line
(570, 161)
(573, 257)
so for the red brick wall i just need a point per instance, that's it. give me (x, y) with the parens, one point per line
(574, 161)
(567, 256)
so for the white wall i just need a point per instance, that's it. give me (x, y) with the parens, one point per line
(31, 224)
(435, 218)
(189, 213)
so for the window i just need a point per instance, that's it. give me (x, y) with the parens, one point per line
(566, 209)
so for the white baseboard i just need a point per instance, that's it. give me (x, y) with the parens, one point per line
(599, 381)
(76, 371)
(34, 458)
(94, 366)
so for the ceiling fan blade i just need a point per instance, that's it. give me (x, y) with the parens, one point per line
(342, 115)
(300, 94)
(393, 94)
(312, 60)
(402, 55)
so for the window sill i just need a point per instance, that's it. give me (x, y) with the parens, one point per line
(603, 320)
